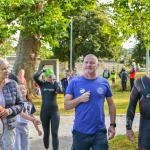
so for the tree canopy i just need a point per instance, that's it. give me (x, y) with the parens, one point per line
(45, 17)
(39, 21)
(132, 18)
(92, 33)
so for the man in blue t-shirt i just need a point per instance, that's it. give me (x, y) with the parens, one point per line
(87, 94)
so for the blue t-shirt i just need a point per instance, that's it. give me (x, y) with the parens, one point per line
(89, 116)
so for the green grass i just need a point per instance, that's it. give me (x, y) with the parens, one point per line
(121, 143)
(121, 99)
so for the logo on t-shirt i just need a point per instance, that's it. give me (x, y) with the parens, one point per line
(82, 91)
(100, 90)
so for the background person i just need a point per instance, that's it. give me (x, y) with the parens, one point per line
(22, 129)
(87, 94)
(21, 77)
(70, 76)
(49, 114)
(113, 74)
(64, 83)
(11, 101)
(123, 76)
(132, 75)
(140, 94)
(13, 77)
(106, 73)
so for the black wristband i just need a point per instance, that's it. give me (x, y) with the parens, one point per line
(128, 127)
(113, 124)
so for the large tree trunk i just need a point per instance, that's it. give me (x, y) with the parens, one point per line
(27, 52)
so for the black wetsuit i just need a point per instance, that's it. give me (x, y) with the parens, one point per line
(49, 111)
(141, 93)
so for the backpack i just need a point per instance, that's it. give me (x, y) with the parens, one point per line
(106, 74)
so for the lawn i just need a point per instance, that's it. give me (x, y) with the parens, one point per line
(121, 143)
(121, 100)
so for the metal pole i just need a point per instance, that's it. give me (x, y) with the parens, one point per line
(147, 61)
(71, 44)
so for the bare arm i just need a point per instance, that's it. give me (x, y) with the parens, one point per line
(112, 113)
(112, 109)
(71, 103)
(23, 115)
(36, 126)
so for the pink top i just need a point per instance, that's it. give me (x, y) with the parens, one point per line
(22, 79)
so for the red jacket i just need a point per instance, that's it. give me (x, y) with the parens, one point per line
(132, 73)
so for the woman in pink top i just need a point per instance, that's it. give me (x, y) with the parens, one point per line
(21, 76)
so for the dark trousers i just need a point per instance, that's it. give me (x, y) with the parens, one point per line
(96, 141)
(50, 119)
(131, 82)
(124, 85)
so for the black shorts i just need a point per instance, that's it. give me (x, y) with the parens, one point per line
(82, 141)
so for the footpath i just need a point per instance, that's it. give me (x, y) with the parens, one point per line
(65, 136)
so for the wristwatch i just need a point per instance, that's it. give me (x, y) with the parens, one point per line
(113, 124)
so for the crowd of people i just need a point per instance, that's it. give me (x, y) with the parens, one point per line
(85, 94)
(123, 75)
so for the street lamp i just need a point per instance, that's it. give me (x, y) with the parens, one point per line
(147, 61)
(71, 44)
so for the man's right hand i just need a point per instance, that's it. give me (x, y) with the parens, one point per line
(85, 96)
(130, 135)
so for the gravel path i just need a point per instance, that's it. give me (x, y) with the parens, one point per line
(65, 136)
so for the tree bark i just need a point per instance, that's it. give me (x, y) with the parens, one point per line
(27, 53)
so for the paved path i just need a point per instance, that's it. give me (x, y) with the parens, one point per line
(65, 136)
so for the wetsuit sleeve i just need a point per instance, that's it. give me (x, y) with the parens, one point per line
(56, 86)
(36, 77)
(134, 97)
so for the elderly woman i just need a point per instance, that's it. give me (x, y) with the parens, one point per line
(11, 101)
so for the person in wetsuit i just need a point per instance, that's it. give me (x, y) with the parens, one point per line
(49, 114)
(140, 93)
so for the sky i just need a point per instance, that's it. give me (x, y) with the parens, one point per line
(105, 1)
(129, 43)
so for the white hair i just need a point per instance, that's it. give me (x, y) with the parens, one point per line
(3, 62)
